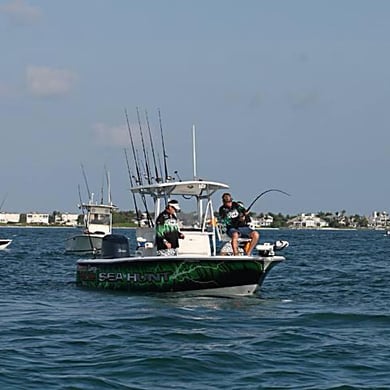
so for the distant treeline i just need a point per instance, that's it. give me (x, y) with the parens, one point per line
(333, 220)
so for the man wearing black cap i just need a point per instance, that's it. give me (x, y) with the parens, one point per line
(167, 230)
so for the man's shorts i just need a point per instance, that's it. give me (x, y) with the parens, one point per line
(167, 252)
(243, 231)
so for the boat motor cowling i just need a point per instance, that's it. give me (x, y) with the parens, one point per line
(114, 246)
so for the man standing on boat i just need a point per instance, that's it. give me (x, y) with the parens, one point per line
(235, 218)
(167, 230)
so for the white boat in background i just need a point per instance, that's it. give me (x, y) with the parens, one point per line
(4, 243)
(97, 224)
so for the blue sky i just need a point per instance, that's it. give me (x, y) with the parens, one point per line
(286, 94)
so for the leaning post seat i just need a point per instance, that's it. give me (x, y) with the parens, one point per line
(195, 242)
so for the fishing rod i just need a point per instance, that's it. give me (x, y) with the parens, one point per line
(144, 201)
(139, 181)
(81, 203)
(2, 203)
(142, 167)
(151, 144)
(143, 148)
(163, 148)
(85, 181)
(102, 191)
(143, 197)
(85, 223)
(160, 167)
(131, 185)
(150, 221)
(263, 193)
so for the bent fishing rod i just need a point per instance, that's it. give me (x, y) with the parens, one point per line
(263, 193)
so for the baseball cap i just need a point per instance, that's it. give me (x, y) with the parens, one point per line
(175, 204)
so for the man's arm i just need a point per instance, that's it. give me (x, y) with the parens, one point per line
(160, 231)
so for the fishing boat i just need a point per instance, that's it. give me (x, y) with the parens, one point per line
(202, 266)
(97, 225)
(4, 243)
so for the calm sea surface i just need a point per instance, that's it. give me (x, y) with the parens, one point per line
(320, 321)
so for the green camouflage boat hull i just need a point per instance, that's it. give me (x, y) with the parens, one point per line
(159, 274)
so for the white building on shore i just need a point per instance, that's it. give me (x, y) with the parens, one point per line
(258, 223)
(378, 220)
(9, 218)
(37, 218)
(307, 221)
(66, 219)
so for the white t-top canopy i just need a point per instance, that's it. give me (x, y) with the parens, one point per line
(197, 188)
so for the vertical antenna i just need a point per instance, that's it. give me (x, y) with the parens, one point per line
(193, 151)
(109, 197)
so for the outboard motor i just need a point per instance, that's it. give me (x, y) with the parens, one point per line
(114, 246)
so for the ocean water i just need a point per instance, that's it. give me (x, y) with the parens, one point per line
(320, 321)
